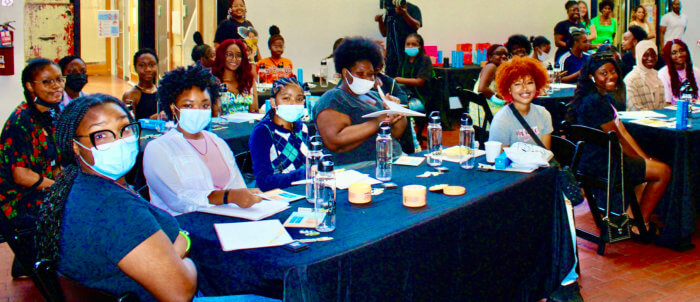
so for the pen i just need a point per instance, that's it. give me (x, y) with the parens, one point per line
(278, 235)
(319, 239)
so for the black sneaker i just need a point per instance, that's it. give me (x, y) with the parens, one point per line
(17, 271)
(567, 293)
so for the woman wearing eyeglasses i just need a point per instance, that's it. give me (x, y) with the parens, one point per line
(277, 142)
(233, 70)
(679, 68)
(592, 106)
(29, 162)
(188, 167)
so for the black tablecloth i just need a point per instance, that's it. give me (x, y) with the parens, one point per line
(235, 134)
(556, 103)
(506, 239)
(679, 149)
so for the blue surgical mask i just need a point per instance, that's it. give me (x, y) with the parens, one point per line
(194, 120)
(290, 113)
(116, 158)
(411, 51)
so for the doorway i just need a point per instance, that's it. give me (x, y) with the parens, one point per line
(94, 50)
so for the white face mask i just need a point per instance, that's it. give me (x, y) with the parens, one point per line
(359, 86)
(543, 56)
(194, 120)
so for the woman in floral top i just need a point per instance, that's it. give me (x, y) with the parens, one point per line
(236, 73)
(28, 156)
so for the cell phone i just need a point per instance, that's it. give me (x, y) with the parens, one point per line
(389, 185)
(296, 246)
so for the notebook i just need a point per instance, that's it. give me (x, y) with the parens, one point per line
(251, 235)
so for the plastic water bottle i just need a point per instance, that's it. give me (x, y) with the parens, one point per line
(686, 92)
(324, 184)
(323, 78)
(384, 152)
(261, 75)
(550, 72)
(434, 140)
(466, 142)
(315, 154)
(557, 75)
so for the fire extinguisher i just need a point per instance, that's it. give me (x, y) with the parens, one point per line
(7, 51)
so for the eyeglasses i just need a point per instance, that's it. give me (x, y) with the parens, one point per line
(50, 82)
(236, 56)
(677, 52)
(104, 139)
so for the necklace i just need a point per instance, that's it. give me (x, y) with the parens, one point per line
(206, 147)
(149, 91)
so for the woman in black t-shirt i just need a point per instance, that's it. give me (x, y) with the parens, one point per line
(238, 27)
(416, 69)
(592, 106)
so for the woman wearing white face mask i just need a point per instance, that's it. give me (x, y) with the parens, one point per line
(541, 48)
(277, 142)
(188, 167)
(338, 114)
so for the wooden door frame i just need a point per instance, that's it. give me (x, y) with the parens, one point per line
(103, 69)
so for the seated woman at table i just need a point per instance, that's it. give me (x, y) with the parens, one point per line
(202, 54)
(75, 71)
(679, 68)
(275, 66)
(188, 167)
(101, 233)
(541, 47)
(277, 142)
(232, 68)
(29, 161)
(572, 61)
(495, 54)
(592, 107)
(518, 45)
(645, 91)
(416, 70)
(338, 114)
(143, 98)
(519, 81)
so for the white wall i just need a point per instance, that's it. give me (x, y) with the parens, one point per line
(11, 87)
(311, 26)
(692, 33)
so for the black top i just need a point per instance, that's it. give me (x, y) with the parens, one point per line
(229, 29)
(147, 106)
(421, 68)
(396, 32)
(390, 86)
(593, 111)
(564, 28)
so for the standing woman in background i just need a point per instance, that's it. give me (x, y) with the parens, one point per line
(29, 161)
(679, 67)
(639, 18)
(143, 98)
(586, 20)
(275, 67)
(232, 68)
(236, 26)
(605, 25)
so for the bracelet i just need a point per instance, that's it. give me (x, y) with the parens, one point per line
(226, 197)
(37, 183)
(186, 234)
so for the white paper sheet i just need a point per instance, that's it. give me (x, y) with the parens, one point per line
(344, 179)
(452, 154)
(251, 235)
(261, 210)
(562, 85)
(241, 117)
(637, 115)
(394, 108)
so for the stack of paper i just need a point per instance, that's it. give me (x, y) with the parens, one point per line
(638, 115)
(263, 209)
(250, 235)
(394, 108)
(344, 179)
(458, 153)
(281, 195)
(242, 117)
(405, 160)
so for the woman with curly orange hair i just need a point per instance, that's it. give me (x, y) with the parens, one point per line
(519, 82)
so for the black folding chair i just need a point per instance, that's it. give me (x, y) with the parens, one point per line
(596, 187)
(21, 241)
(60, 288)
(467, 96)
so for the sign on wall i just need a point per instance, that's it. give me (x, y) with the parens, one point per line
(6, 2)
(107, 23)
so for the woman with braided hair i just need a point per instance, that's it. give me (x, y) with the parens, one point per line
(29, 161)
(101, 233)
(277, 142)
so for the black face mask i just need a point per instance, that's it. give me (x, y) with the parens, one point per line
(76, 81)
(41, 102)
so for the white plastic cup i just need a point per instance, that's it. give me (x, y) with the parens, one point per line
(493, 149)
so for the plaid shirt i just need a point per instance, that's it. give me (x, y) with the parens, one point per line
(641, 95)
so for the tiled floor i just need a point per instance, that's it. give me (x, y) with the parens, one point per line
(629, 271)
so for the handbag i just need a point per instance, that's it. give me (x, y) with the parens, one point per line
(616, 227)
(565, 178)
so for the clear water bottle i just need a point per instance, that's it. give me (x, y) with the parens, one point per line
(466, 142)
(324, 184)
(315, 154)
(686, 92)
(434, 140)
(384, 152)
(557, 75)
(323, 77)
(550, 72)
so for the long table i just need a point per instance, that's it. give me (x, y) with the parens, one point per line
(679, 149)
(505, 239)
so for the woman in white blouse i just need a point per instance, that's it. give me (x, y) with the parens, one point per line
(190, 168)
